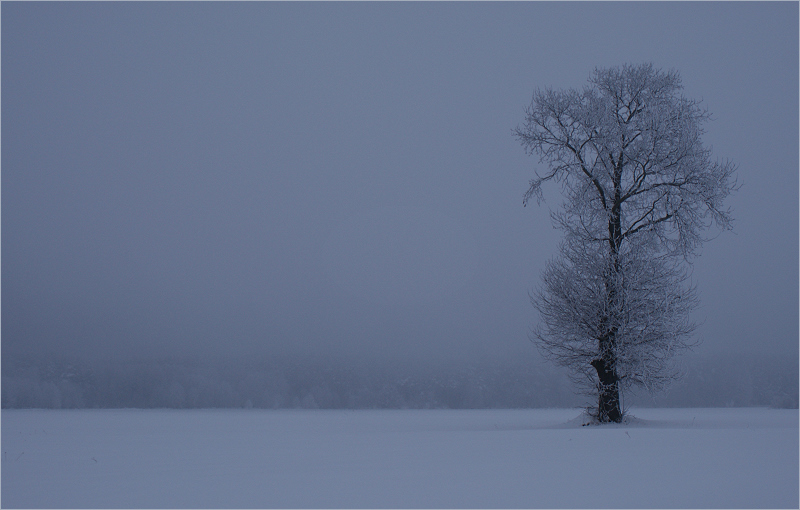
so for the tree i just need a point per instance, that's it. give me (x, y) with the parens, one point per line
(640, 191)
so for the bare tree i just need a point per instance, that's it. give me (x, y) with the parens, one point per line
(640, 190)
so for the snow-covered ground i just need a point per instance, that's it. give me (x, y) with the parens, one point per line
(675, 458)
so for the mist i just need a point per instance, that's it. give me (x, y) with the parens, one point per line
(334, 185)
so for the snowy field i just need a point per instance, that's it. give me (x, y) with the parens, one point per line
(676, 458)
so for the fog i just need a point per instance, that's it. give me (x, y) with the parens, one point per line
(339, 181)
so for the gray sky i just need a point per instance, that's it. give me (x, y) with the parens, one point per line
(342, 179)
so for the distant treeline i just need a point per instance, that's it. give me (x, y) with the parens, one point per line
(734, 380)
(303, 383)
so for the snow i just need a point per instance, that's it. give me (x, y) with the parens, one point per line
(677, 458)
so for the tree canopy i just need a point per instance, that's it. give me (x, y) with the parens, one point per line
(629, 144)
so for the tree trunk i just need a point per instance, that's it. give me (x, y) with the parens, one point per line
(608, 409)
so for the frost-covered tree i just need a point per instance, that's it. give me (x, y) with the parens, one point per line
(640, 191)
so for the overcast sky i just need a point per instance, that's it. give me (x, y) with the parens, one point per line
(342, 180)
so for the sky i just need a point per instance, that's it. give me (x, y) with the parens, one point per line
(341, 179)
